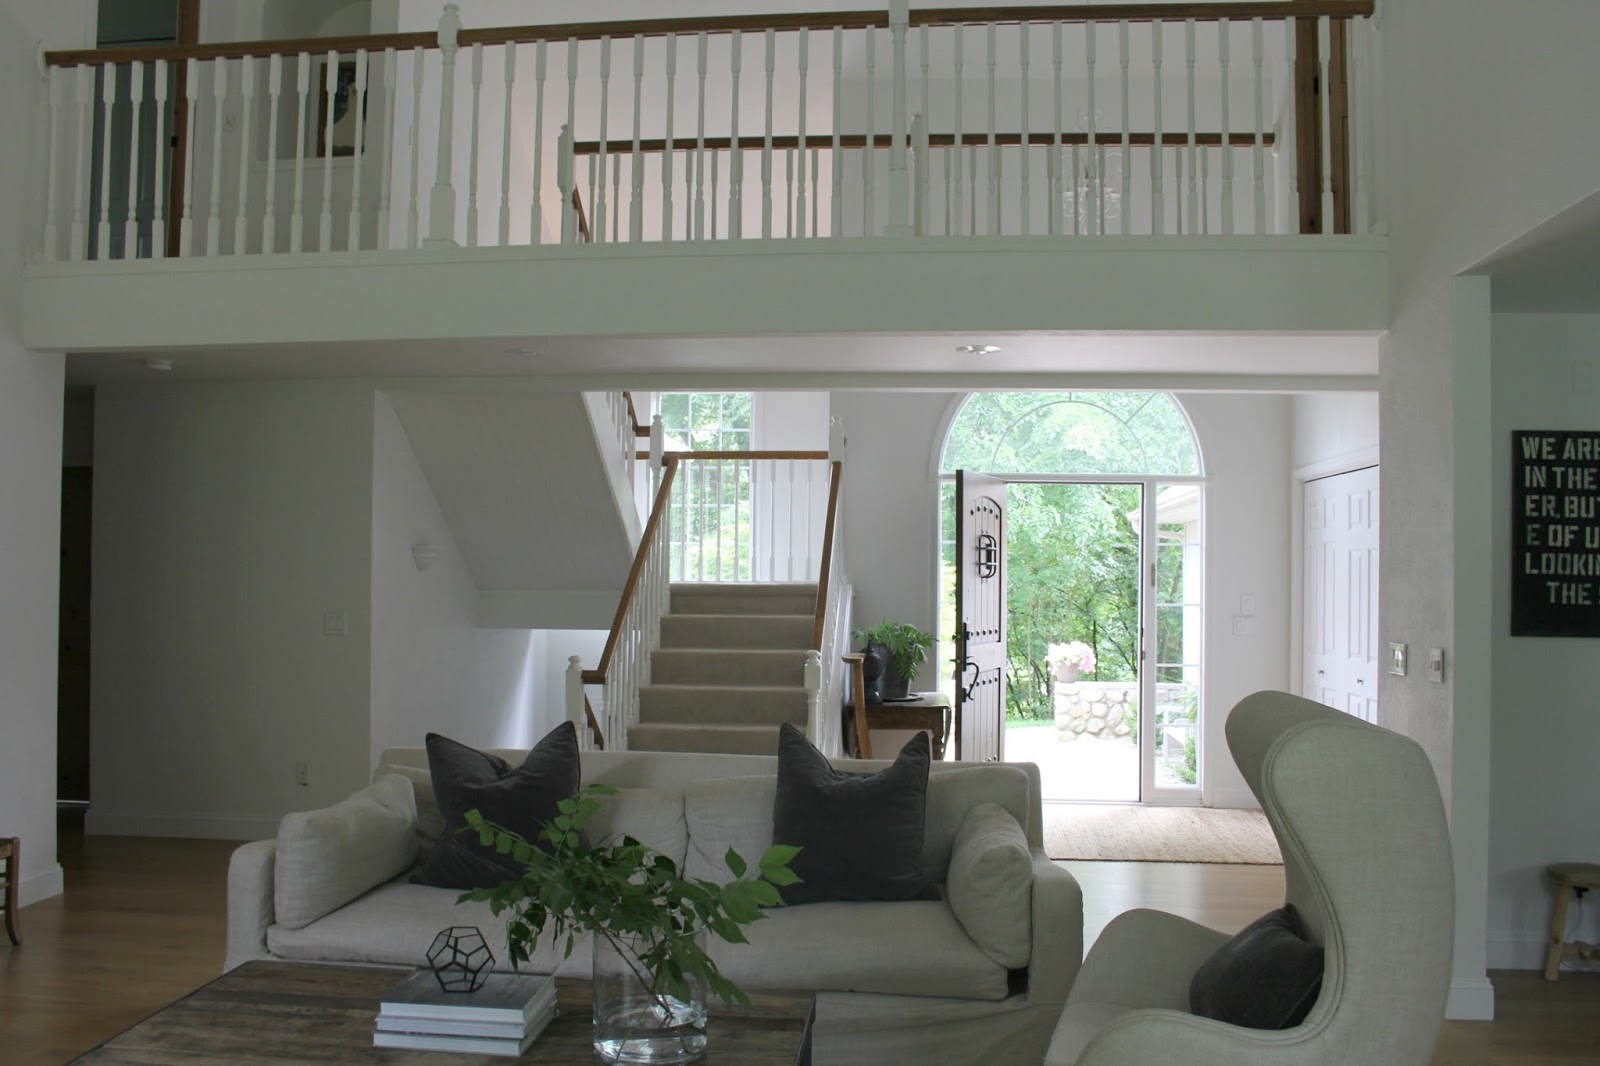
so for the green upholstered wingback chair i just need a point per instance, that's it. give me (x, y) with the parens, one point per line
(1366, 854)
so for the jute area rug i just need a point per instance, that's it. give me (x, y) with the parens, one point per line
(1131, 833)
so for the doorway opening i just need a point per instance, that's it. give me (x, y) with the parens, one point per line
(1102, 568)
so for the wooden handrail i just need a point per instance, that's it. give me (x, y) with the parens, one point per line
(835, 470)
(639, 428)
(583, 219)
(594, 724)
(597, 676)
(768, 454)
(591, 31)
(782, 142)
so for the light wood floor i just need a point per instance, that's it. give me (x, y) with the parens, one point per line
(142, 923)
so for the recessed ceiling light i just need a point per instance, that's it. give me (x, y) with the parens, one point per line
(978, 349)
(160, 366)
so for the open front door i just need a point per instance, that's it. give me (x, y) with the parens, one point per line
(980, 617)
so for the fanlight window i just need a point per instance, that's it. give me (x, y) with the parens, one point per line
(1071, 433)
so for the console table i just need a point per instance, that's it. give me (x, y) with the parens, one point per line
(930, 711)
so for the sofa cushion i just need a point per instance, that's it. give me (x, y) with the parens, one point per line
(430, 823)
(1266, 977)
(521, 798)
(652, 816)
(990, 885)
(860, 836)
(328, 857)
(908, 947)
(728, 812)
(953, 792)
(395, 923)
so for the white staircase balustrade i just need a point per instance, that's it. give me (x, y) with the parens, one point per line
(1106, 164)
(749, 516)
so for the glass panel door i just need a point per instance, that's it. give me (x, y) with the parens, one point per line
(1172, 757)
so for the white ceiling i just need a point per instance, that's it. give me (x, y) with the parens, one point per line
(1245, 361)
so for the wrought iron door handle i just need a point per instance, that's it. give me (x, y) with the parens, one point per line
(966, 688)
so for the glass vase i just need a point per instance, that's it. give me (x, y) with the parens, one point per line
(637, 1022)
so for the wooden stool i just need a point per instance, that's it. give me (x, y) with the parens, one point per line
(8, 851)
(1570, 878)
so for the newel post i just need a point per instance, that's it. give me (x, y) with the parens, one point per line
(575, 709)
(899, 177)
(658, 452)
(813, 675)
(442, 201)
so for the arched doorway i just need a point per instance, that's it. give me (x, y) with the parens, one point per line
(1104, 543)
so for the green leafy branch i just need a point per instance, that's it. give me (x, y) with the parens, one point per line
(623, 890)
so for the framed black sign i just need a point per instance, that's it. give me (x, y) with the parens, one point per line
(1555, 533)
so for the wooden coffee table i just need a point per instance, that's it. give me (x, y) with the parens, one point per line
(289, 1012)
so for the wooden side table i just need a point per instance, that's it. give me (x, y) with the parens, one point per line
(1569, 878)
(930, 711)
(9, 848)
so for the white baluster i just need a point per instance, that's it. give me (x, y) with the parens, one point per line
(1096, 215)
(80, 176)
(1058, 185)
(472, 150)
(1325, 120)
(1126, 201)
(899, 178)
(536, 207)
(926, 110)
(247, 93)
(412, 231)
(186, 226)
(108, 99)
(788, 200)
(636, 161)
(219, 94)
(130, 224)
(700, 515)
(700, 144)
(296, 218)
(566, 186)
(353, 241)
(1360, 213)
(804, 65)
(838, 121)
(1193, 161)
(1158, 192)
(789, 536)
(736, 160)
(994, 148)
(269, 216)
(597, 222)
(442, 200)
(815, 194)
(919, 139)
(869, 165)
(1223, 44)
(163, 189)
(1258, 153)
(572, 103)
(669, 150)
(960, 139)
(53, 78)
(1024, 146)
(504, 230)
(770, 479)
(330, 91)
(386, 176)
(616, 196)
(766, 139)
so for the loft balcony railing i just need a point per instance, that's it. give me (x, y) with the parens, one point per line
(1121, 119)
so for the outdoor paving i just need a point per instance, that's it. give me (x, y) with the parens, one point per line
(1104, 771)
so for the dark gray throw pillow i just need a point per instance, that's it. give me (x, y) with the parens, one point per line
(1266, 977)
(860, 835)
(520, 798)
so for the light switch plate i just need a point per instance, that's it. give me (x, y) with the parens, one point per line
(1436, 665)
(335, 624)
(1397, 658)
(1247, 604)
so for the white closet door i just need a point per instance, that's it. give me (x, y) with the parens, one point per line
(1341, 592)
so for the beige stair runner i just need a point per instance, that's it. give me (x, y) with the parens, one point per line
(730, 669)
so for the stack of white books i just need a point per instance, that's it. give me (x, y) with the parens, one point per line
(500, 1018)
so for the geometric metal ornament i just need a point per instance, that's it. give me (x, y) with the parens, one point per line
(460, 958)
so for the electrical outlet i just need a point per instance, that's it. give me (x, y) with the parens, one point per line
(335, 624)
(1436, 665)
(302, 774)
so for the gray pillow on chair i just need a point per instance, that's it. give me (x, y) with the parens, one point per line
(1266, 977)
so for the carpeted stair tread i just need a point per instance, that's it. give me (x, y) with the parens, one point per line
(755, 631)
(722, 704)
(733, 739)
(792, 598)
(728, 666)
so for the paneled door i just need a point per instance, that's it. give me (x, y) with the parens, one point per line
(980, 617)
(1340, 661)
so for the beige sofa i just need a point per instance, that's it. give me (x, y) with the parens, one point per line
(900, 982)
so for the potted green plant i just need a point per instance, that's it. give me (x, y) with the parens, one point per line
(647, 921)
(905, 647)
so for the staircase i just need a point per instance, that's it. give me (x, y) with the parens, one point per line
(730, 669)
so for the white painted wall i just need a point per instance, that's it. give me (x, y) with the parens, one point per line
(1327, 427)
(1449, 208)
(30, 459)
(433, 669)
(891, 532)
(1545, 728)
(230, 519)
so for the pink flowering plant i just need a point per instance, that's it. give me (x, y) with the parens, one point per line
(1063, 657)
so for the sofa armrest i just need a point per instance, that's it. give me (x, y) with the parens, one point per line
(250, 875)
(1057, 951)
(1146, 958)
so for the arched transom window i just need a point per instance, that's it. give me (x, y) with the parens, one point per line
(1071, 433)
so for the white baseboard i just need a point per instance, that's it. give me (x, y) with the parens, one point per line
(1471, 1000)
(1237, 798)
(43, 885)
(1521, 951)
(193, 826)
